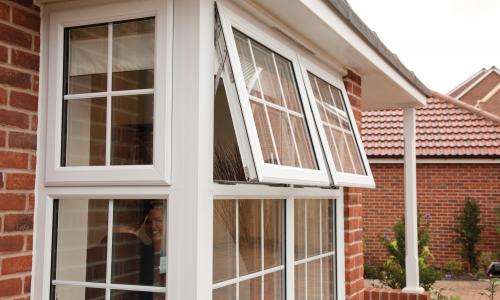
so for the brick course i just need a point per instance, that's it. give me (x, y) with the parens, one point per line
(441, 193)
(19, 61)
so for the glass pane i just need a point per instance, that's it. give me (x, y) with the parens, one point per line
(82, 226)
(87, 59)
(139, 248)
(283, 138)
(132, 130)
(63, 292)
(333, 149)
(266, 143)
(273, 233)
(328, 278)
(133, 54)
(273, 288)
(355, 155)
(266, 72)
(327, 228)
(343, 150)
(313, 280)
(300, 229)
(85, 143)
(333, 118)
(313, 227)
(224, 240)
(337, 97)
(246, 62)
(303, 143)
(136, 295)
(225, 293)
(249, 214)
(251, 289)
(324, 93)
(300, 282)
(288, 83)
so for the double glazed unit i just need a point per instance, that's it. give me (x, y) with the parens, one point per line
(284, 141)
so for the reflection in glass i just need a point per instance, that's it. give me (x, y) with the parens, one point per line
(328, 279)
(264, 61)
(251, 289)
(313, 228)
(249, 212)
(136, 295)
(132, 130)
(247, 65)
(133, 54)
(81, 240)
(327, 225)
(87, 59)
(273, 233)
(78, 292)
(288, 83)
(266, 143)
(283, 138)
(85, 143)
(300, 229)
(225, 293)
(314, 280)
(139, 248)
(303, 143)
(224, 240)
(300, 282)
(273, 289)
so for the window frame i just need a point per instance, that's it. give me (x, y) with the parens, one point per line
(269, 173)
(335, 79)
(159, 171)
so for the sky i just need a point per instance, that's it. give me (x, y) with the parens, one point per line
(443, 41)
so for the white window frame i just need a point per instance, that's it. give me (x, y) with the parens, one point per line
(289, 195)
(269, 173)
(159, 171)
(333, 78)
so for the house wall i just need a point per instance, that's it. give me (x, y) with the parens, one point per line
(19, 48)
(353, 208)
(441, 193)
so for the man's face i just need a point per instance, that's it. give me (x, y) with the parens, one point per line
(154, 224)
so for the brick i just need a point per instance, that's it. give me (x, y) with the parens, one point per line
(3, 138)
(14, 160)
(25, 19)
(4, 53)
(16, 264)
(15, 78)
(4, 11)
(1, 181)
(34, 123)
(25, 60)
(29, 242)
(11, 243)
(36, 44)
(15, 36)
(22, 140)
(11, 201)
(18, 222)
(353, 76)
(27, 284)
(3, 96)
(31, 201)
(10, 287)
(23, 100)
(20, 181)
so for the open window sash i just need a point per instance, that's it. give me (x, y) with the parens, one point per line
(277, 129)
(336, 126)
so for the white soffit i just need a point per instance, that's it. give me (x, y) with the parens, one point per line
(383, 86)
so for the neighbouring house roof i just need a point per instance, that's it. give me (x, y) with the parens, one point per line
(482, 90)
(445, 127)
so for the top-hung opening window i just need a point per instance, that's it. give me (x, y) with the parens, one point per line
(108, 96)
(292, 124)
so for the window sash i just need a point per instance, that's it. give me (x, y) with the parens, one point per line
(266, 172)
(159, 171)
(339, 178)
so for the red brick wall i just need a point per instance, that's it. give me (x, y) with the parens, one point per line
(19, 47)
(387, 294)
(441, 193)
(353, 210)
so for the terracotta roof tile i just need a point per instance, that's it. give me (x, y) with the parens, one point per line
(446, 127)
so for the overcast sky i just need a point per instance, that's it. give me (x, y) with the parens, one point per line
(443, 41)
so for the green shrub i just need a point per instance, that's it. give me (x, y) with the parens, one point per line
(453, 267)
(485, 260)
(393, 271)
(468, 230)
(372, 272)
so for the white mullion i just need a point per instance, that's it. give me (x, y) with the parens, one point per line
(265, 106)
(290, 248)
(275, 106)
(109, 106)
(286, 107)
(105, 94)
(305, 250)
(237, 280)
(320, 248)
(262, 248)
(237, 248)
(109, 250)
(313, 258)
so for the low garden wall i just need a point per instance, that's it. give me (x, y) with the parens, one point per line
(388, 294)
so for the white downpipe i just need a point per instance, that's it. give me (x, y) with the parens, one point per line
(410, 186)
